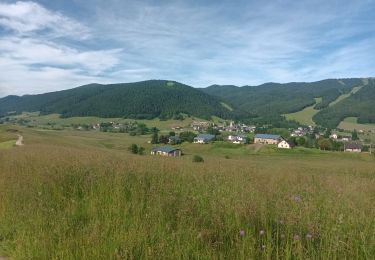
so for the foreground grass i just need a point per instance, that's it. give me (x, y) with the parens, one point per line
(60, 202)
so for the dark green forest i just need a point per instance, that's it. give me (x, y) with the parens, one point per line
(360, 104)
(262, 105)
(147, 99)
(269, 101)
(275, 98)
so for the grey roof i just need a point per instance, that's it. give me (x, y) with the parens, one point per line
(205, 137)
(165, 149)
(268, 136)
(353, 146)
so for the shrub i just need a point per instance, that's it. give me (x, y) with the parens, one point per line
(141, 150)
(197, 158)
(133, 149)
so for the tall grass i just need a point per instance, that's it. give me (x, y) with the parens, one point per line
(71, 203)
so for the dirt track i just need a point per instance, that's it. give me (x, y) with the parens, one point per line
(19, 142)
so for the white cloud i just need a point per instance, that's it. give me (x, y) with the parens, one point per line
(199, 43)
(29, 17)
(28, 51)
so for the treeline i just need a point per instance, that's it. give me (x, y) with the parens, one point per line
(360, 104)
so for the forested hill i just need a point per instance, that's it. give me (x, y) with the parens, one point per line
(147, 99)
(279, 98)
(360, 104)
(272, 100)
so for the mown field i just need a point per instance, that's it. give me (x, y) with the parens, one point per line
(82, 195)
(350, 123)
(305, 115)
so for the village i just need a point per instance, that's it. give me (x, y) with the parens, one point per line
(205, 132)
(166, 140)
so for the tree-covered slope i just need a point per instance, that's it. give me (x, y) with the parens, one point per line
(361, 105)
(147, 99)
(274, 98)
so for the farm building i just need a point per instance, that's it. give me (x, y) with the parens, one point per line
(267, 139)
(285, 145)
(166, 151)
(353, 147)
(237, 139)
(203, 139)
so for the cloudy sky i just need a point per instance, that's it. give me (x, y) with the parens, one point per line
(51, 45)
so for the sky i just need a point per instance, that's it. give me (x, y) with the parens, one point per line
(53, 45)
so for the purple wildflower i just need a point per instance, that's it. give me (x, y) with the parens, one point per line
(308, 236)
(262, 232)
(242, 233)
(296, 237)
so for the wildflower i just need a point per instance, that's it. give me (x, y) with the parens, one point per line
(308, 236)
(263, 247)
(262, 232)
(242, 233)
(296, 237)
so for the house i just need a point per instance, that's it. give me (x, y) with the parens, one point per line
(203, 139)
(237, 139)
(200, 125)
(353, 147)
(333, 136)
(285, 145)
(166, 151)
(267, 139)
(346, 139)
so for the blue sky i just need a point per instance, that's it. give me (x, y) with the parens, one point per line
(51, 45)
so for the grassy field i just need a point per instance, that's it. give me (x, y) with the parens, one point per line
(305, 116)
(7, 139)
(81, 195)
(350, 123)
(54, 120)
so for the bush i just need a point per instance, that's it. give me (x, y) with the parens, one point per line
(133, 149)
(141, 150)
(197, 158)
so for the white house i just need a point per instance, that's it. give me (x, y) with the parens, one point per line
(333, 136)
(284, 145)
(203, 139)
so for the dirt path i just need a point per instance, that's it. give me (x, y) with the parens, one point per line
(19, 142)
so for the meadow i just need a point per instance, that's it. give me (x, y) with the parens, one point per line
(81, 195)
(350, 123)
(305, 115)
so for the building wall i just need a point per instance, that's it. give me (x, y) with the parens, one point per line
(353, 150)
(265, 141)
(283, 145)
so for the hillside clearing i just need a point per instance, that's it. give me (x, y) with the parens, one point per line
(344, 96)
(305, 116)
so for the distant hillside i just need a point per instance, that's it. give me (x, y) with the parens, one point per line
(271, 100)
(147, 99)
(361, 105)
